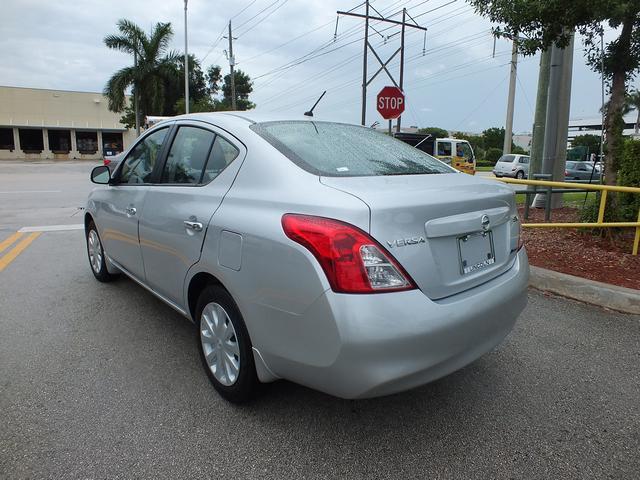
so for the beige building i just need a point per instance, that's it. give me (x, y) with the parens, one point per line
(40, 124)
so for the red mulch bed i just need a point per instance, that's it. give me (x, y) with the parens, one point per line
(579, 252)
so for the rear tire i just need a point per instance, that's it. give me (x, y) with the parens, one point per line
(520, 175)
(225, 346)
(97, 258)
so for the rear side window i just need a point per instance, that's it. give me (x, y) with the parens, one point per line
(507, 158)
(188, 156)
(341, 150)
(222, 154)
(139, 163)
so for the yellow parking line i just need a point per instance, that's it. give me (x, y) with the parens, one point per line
(17, 250)
(9, 241)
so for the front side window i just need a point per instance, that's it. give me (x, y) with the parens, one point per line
(444, 149)
(341, 150)
(463, 149)
(188, 156)
(138, 165)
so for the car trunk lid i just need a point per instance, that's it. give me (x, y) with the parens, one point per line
(450, 232)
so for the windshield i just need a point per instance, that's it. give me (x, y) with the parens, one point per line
(342, 150)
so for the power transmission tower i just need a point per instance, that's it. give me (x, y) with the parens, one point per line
(232, 62)
(383, 64)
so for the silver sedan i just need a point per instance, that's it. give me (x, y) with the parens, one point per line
(327, 254)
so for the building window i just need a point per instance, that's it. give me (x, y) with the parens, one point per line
(6, 139)
(111, 143)
(31, 140)
(87, 142)
(60, 141)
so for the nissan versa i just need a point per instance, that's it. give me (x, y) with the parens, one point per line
(323, 253)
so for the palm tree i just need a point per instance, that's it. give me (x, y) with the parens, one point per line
(152, 66)
(633, 102)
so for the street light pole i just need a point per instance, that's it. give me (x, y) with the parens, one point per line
(186, 63)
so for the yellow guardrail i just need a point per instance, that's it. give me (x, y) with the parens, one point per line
(582, 186)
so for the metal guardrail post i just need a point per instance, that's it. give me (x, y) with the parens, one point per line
(563, 187)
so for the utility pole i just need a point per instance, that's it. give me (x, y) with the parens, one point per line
(537, 143)
(557, 119)
(186, 63)
(135, 96)
(508, 129)
(364, 66)
(231, 65)
(366, 80)
(404, 18)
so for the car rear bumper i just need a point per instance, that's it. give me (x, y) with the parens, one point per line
(393, 342)
(498, 173)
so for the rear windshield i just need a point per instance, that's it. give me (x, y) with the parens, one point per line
(570, 164)
(341, 150)
(507, 158)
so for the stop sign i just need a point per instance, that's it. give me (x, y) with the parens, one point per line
(390, 102)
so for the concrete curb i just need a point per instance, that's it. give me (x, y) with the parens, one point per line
(625, 300)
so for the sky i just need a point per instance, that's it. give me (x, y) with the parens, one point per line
(288, 48)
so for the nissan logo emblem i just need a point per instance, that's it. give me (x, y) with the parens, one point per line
(485, 222)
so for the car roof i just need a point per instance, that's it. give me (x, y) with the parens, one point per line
(244, 118)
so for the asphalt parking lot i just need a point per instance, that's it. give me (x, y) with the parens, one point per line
(104, 381)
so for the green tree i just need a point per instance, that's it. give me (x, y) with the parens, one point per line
(244, 86)
(492, 155)
(540, 23)
(198, 89)
(592, 142)
(148, 78)
(633, 101)
(435, 132)
(493, 137)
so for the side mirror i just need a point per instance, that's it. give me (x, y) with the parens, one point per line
(101, 175)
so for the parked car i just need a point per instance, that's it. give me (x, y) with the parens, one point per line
(113, 161)
(512, 165)
(581, 171)
(326, 254)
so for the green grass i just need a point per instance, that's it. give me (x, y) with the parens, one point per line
(484, 169)
(573, 199)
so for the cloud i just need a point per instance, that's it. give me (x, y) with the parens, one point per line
(60, 45)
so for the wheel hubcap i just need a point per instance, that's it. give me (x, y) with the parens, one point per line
(220, 344)
(95, 251)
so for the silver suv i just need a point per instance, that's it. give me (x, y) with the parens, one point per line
(327, 254)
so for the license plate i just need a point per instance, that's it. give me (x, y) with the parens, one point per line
(476, 251)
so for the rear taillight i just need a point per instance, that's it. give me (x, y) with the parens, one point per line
(352, 261)
(566, 173)
(106, 161)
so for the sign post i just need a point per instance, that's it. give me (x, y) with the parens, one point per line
(390, 103)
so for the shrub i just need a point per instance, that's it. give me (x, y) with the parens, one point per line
(629, 176)
(484, 163)
(492, 155)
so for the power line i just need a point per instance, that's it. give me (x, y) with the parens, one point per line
(264, 18)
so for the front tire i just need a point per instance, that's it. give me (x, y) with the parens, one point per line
(97, 258)
(225, 346)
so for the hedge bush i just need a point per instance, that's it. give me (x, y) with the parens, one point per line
(629, 176)
(492, 155)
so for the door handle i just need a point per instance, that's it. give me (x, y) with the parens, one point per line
(195, 226)
(131, 211)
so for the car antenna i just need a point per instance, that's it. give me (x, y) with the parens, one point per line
(310, 112)
(423, 140)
